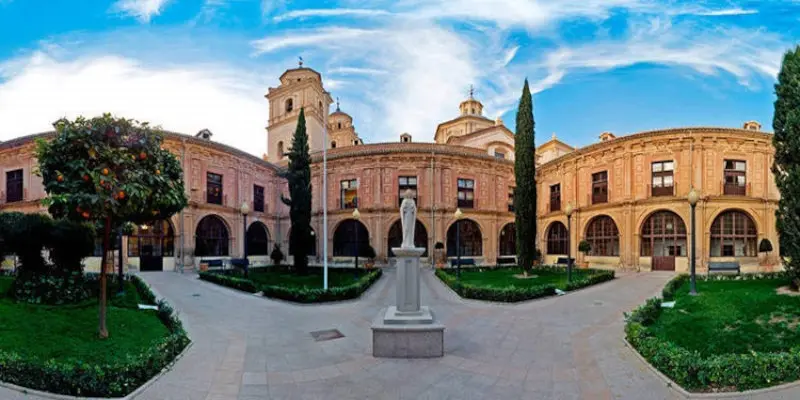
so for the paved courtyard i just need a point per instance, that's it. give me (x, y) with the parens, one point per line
(568, 347)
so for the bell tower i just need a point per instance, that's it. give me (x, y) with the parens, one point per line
(299, 87)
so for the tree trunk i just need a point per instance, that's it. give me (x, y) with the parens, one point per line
(102, 331)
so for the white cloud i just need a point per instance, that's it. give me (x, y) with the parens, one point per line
(143, 10)
(727, 12)
(37, 89)
(357, 71)
(329, 36)
(330, 12)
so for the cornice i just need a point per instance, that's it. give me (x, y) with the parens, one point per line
(390, 148)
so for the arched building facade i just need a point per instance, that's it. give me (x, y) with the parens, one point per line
(629, 193)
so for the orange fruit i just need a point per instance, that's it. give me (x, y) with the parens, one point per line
(121, 194)
(86, 178)
(105, 171)
(142, 155)
(85, 214)
(158, 172)
(60, 178)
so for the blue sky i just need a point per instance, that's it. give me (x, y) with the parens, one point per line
(397, 65)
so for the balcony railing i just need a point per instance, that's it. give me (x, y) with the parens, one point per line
(656, 191)
(555, 205)
(599, 198)
(466, 203)
(732, 189)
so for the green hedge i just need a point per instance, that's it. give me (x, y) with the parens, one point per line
(298, 295)
(76, 378)
(672, 287)
(514, 293)
(693, 371)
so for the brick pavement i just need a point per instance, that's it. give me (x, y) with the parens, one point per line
(249, 348)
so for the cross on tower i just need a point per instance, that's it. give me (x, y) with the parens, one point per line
(300, 62)
(471, 91)
(337, 103)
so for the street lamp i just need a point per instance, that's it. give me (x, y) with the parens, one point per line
(356, 216)
(458, 215)
(245, 209)
(693, 198)
(568, 211)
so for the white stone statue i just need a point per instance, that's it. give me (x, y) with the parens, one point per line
(408, 219)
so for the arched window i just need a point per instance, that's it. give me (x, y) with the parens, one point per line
(733, 234)
(289, 105)
(257, 239)
(396, 237)
(156, 239)
(663, 235)
(333, 144)
(557, 239)
(340, 125)
(280, 149)
(603, 235)
(211, 237)
(350, 235)
(469, 236)
(508, 240)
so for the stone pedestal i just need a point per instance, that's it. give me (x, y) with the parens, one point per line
(407, 330)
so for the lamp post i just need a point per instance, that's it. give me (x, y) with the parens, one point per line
(693, 198)
(458, 215)
(357, 217)
(568, 211)
(245, 209)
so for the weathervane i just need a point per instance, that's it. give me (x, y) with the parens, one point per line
(337, 103)
(300, 62)
(471, 91)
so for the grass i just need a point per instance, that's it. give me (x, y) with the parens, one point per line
(282, 276)
(70, 332)
(504, 277)
(732, 317)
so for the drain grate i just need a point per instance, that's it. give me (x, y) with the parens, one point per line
(328, 334)
(196, 295)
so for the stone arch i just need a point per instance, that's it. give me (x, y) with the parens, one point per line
(258, 239)
(556, 238)
(394, 237)
(663, 234)
(507, 240)
(289, 105)
(719, 211)
(733, 233)
(471, 238)
(350, 236)
(602, 233)
(212, 237)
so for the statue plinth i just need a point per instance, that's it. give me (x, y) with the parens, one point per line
(407, 330)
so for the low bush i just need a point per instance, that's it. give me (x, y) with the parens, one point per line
(717, 372)
(77, 378)
(295, 294)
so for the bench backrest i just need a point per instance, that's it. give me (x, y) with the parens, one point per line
(723, 265)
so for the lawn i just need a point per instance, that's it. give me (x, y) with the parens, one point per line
(732, 317)
(505, 277)
(70, 332)
(282, 276)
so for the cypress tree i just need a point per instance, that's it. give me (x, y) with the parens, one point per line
(299, 177)
(525, 174)
(786, 125)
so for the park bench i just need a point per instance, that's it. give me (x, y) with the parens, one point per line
(214, 263)
(464, 261)
(241, 263)
(724, 267)
(564, 261)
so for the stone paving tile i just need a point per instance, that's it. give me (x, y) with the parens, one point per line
(247, 348)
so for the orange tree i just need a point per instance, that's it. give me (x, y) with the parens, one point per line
(109, 171)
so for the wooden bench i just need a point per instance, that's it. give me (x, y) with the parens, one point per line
(564, 261)
(214, 263)
(464, 261)
(724, 267)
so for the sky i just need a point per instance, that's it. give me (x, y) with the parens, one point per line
(397, 66)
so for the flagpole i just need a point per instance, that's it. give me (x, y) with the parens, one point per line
(325, 199)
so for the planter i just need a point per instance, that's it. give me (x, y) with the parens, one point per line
(584, 265)
(369, 264)
(203, 267)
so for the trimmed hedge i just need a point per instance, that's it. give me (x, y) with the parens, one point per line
(298, 295)
(693, 371)
(76, 378)
(514, 294)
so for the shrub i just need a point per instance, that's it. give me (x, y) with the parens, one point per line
(276, 255)
(76, 378)
(234, 282)
(368, 251)
(672, 287)
(584, 247)
(765, 246)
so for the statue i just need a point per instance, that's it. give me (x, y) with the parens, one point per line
(408, 218)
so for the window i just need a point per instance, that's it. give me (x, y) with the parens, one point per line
(156, 239)
(663, 234)
(555, 197)
(600, 187)
(499, 155)
(340, 125)
(257, 239)
(333, 144)
(213, 188)
(14, 186)
(280, 149)
(662, 178)
(289, 105)
(211, 237)
(511, 199)
(258, 198)
(557, 239)
(603, 236)
(406, 183)
(466, 193)
(349, 193)
(733, 234)
(470, 239)
(735, 177)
